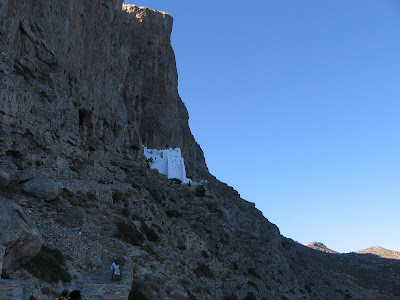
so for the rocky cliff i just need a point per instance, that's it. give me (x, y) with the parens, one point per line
(89, 79)
(83, 85)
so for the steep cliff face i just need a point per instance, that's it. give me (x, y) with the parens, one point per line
(83, 84)
(89, 80)
(150, 85)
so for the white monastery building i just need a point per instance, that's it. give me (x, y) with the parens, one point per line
(168, 162)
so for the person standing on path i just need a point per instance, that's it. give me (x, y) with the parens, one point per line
(113, 268)
(117, 272)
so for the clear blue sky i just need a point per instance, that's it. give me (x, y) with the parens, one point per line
(296, 104)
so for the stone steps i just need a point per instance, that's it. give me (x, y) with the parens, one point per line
(93, 286)
(15, 289)
(98, 285)
(105, 291)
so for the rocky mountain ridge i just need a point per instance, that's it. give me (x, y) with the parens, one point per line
(375, 250)
(83, 85)
(375, 267)
(381, 252)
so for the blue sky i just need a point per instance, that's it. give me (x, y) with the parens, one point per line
(296, 105)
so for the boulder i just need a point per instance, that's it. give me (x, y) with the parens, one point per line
(4, 179)
(21, 240)
(43, 187)
(25, 176)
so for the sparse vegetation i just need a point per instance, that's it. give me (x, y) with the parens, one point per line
(125, 212)
(49, 265)
(4, 275)
(200, 191)
(173, 214)
(250, 296)
(151, 235)
(155, 195)
(149, 162)
(205, 254)
(136, 294)
(135, 147)
(62, 221)
(176, 180)
(308, 288)
(138, 290)
(253, 284)
(253, 273)
(43, 94)
(203, 270)
(119, 197)
(129, 233)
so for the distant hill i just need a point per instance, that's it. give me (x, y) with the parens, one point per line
(375, 268)
(321, 247)
(381, 252)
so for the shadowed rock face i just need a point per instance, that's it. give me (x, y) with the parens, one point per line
(21, 240)
(85, 78)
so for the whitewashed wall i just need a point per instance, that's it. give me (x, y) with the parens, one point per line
(168, 162)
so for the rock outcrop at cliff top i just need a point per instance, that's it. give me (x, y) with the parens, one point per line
(320, 246)
(83, 85)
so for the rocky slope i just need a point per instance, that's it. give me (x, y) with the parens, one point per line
(83, 85)
(381, 252)
(375, 267)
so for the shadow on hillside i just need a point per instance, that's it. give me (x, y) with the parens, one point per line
(370, 270)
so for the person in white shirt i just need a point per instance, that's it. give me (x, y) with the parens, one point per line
(117, 272)
(113, 268)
